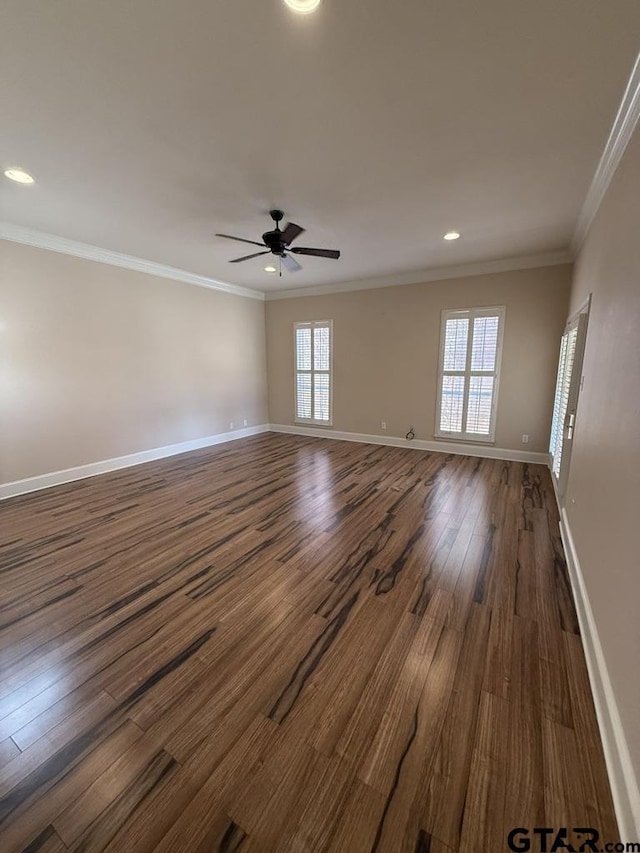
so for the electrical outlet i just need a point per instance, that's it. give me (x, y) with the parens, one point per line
(245, 421)
(230, 424)
(383, 424)
(525, 439)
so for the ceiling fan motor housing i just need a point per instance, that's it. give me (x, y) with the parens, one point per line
(273, 239)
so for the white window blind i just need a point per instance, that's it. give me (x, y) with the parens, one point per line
(561, 400)
(313, 357)
(469, 370)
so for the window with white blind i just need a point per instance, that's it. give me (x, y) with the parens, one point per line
(566, 398)
(313, 344)
(561, 399)
(469, 372)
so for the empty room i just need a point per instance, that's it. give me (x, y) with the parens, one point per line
(319, 426)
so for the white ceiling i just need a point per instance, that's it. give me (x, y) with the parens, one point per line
(151, 125)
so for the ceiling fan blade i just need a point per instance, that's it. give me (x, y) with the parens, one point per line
(290, 263)
(248, 257)
(240, 239)
(291, 232)
(318, 253)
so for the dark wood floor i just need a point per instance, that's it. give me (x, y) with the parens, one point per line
(293, 644)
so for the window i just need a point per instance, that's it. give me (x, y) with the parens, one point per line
(566, 398)
(313, 344)
(561, 399)
(469, 371)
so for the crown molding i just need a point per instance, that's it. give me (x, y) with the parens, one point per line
(525, 262)
(28, 237)
(621, 132)
(42, 240)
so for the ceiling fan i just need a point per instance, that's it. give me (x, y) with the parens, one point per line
(279, 242)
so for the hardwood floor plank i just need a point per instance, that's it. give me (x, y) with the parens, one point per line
(499, 658)
(462, 594)
(357, 826)
(313, 824)
(100, 835)
(378, 768)
(79, 722)
(282, 788)
(39, 805)
(483, 819)
(73, 824)
(414, 766)
(48, 841)
(74, 820)
(524, 788)
(525, 604)
(553, 670)
(443, 806)
(564, 788)
(27, 725)
(360, 728)
(224, 785)
(8, 751)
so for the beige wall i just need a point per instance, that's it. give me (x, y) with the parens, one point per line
(99, 362)
(603, 493)
(386, 345)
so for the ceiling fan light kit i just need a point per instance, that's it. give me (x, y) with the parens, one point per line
(278, 243)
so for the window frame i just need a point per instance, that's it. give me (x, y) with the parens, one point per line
(499, 311)
(312, 324)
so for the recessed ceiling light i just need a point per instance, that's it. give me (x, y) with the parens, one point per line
(19, 176)
(270, 269)
(451, 235)
(303, 6)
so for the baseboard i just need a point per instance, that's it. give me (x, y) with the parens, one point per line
(68, 475)
(485, 451)
(56, 478)
(624, 785)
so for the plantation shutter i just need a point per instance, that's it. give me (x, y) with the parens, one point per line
(313, 347)
(471, 342)
(567, 390)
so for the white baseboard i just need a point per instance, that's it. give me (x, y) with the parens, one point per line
(56, 478)
(622, 778)
(485, 451)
